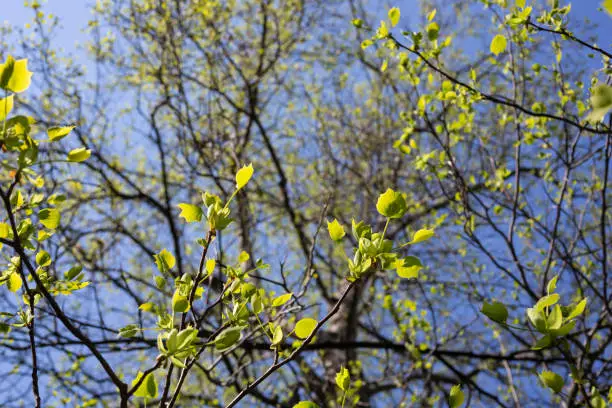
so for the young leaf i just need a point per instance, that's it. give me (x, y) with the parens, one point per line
(456, 396)
(343, 379)
(277, 336)
(43, 258)
(305, 327)
(14, 75)
(607, 5)
(49, 217)
(394, 16)
(180, 303)
(552, 380)
(546, 301)
(147, 307)
(79, 155)
(148, 388)
(58, 133)
(391, 204)
(336, 230)
(281, 300)
(14, 282)
(243, 176)
(243, 257)
(305, 404)
(190, 212)
(552, 284)
(577, 310)
(128, 331)
(164, 261)
(422, 235)
(210, 266)
(498, 44)
(601, 101)
(73, 272)
(6, 106)
(227, 338)
(495, 311)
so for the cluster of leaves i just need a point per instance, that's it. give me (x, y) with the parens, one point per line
(32, 217)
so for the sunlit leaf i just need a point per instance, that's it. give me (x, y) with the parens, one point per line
(58, 133)
(495, 311)
(336, 230)
(456, 396)
(281, 300)
(243, 176)
(498, 44)
(305, 327)
(394, 16)
(552, 380)
(190, 212)
(79, 155)
(49, 217)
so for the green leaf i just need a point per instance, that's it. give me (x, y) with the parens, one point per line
(601, 100)
(343, 379)
(243, 257)
(382, 31)
(73, 272)
(49, 217)
(543, 342)
(336, 230)
(456, 396)
(43, 258)
(180, 303)
(210, 266)
(14, 282)
(227, 338)
(578, 309)
(495, 311)
(552, 284)
(243, 176)
(394, 16)
(305, 404)
(129, 331)
(547, 301)
(164, 261)
(391, 204)
(422, 235)
(190, 212)
(147, 307)
(552, 380)
(607, 5)
(6, 106)
(433, 29)
(14, 75)
(498, 44)
(5, 230)
(537, 318)
(160, 282)
(79, 155)
(148, 387)
(277, 336)
(408, 267)
(555, 318)
(305, 327)
(281, 300)
(58, 133)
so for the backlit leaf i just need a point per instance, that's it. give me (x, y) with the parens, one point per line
(243, 176)
(498, 44)
(79, 155)
(305, 327)
(190, 212)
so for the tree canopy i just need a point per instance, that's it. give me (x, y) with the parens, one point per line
(307, 203)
